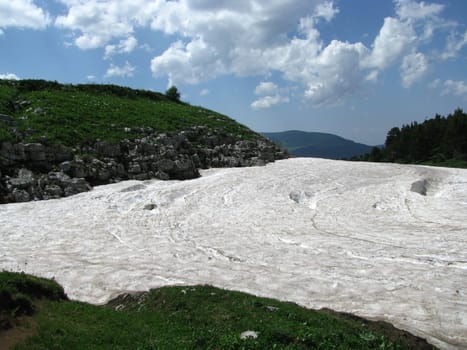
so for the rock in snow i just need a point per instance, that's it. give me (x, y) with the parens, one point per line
(348, 236)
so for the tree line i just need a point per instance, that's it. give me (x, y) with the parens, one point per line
(436, 140)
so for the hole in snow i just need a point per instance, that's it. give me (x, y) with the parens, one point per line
(300, 197)
(420, 187)
(133, 188)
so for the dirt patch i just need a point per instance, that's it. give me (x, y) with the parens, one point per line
(23, 328)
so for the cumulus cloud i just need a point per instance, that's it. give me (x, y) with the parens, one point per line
(98, 22)
(22, 14)
(435, 84)
(124, 46)
(395, 38)
(269, 101)
(124, 71)
(326, 10)
(454, 44)
(413, 67)
(204, 92)
(457, 88)
(410, 9)
(272, 95)
(265, 88)
(255, 37)
(9, 76)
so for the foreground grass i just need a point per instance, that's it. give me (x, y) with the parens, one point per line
(77, 114)
(200, 317)
(450, 163)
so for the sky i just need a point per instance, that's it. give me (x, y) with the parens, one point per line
(352, 68)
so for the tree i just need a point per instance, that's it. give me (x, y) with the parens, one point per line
(173, 94)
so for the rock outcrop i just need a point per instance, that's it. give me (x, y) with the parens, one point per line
(37, 171)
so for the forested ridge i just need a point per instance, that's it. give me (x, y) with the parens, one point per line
(438, 141)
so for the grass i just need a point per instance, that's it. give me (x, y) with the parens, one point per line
(449, 163)
(78, 114)
(200, 317)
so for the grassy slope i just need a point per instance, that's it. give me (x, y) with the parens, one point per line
(200, 317)
(74, 115)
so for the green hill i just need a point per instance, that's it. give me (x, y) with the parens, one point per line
(317, 144)
(36, 314)
(438, 141)
(38, 110)
(58, 140)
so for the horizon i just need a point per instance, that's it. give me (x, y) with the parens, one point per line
(353, 70)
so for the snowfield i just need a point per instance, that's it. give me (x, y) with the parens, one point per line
(348, 236)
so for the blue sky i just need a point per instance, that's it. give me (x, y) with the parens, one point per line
(353, 68)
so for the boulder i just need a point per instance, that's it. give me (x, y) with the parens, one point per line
(35, 152)
(76, 185)
(23, 180)
(19, 196)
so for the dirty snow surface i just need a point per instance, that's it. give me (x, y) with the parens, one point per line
(353, 237)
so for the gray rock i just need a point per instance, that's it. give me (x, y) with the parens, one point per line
(165, 165)
(108, 150)
(24, 179)
(161, 175)
(35, 152)
(58, 177)
(75, 186)
(52, 192)
(19, 196)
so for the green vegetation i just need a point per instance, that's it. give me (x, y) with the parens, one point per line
(78, 114)
(17, 292)
(200, 317)
(440, 141)
(173, 94)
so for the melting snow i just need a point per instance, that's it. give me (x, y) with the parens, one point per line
(354, 237)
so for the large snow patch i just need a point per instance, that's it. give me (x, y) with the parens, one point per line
(349, 236)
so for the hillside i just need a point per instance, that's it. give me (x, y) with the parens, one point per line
(57, 140)
(73, 115)
(183, 317)
(317, 144)
(440, 141)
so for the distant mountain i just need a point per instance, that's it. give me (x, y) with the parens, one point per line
(317, 144)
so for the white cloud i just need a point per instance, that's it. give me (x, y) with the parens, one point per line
(326, 10)
(22, 14)
(124, 46)
(454, 44)
(269, 101)
(337, 73)
(123, 72)
(272, 95)
(257, 38)
(413, 67)
(190, 64)
(98, 22)
(435, 84)
(204, 92)
(265, 88)
(395, 38)
(453, 87)
(9, 76)
(91, 77)
(373, 75)
(410, 9)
